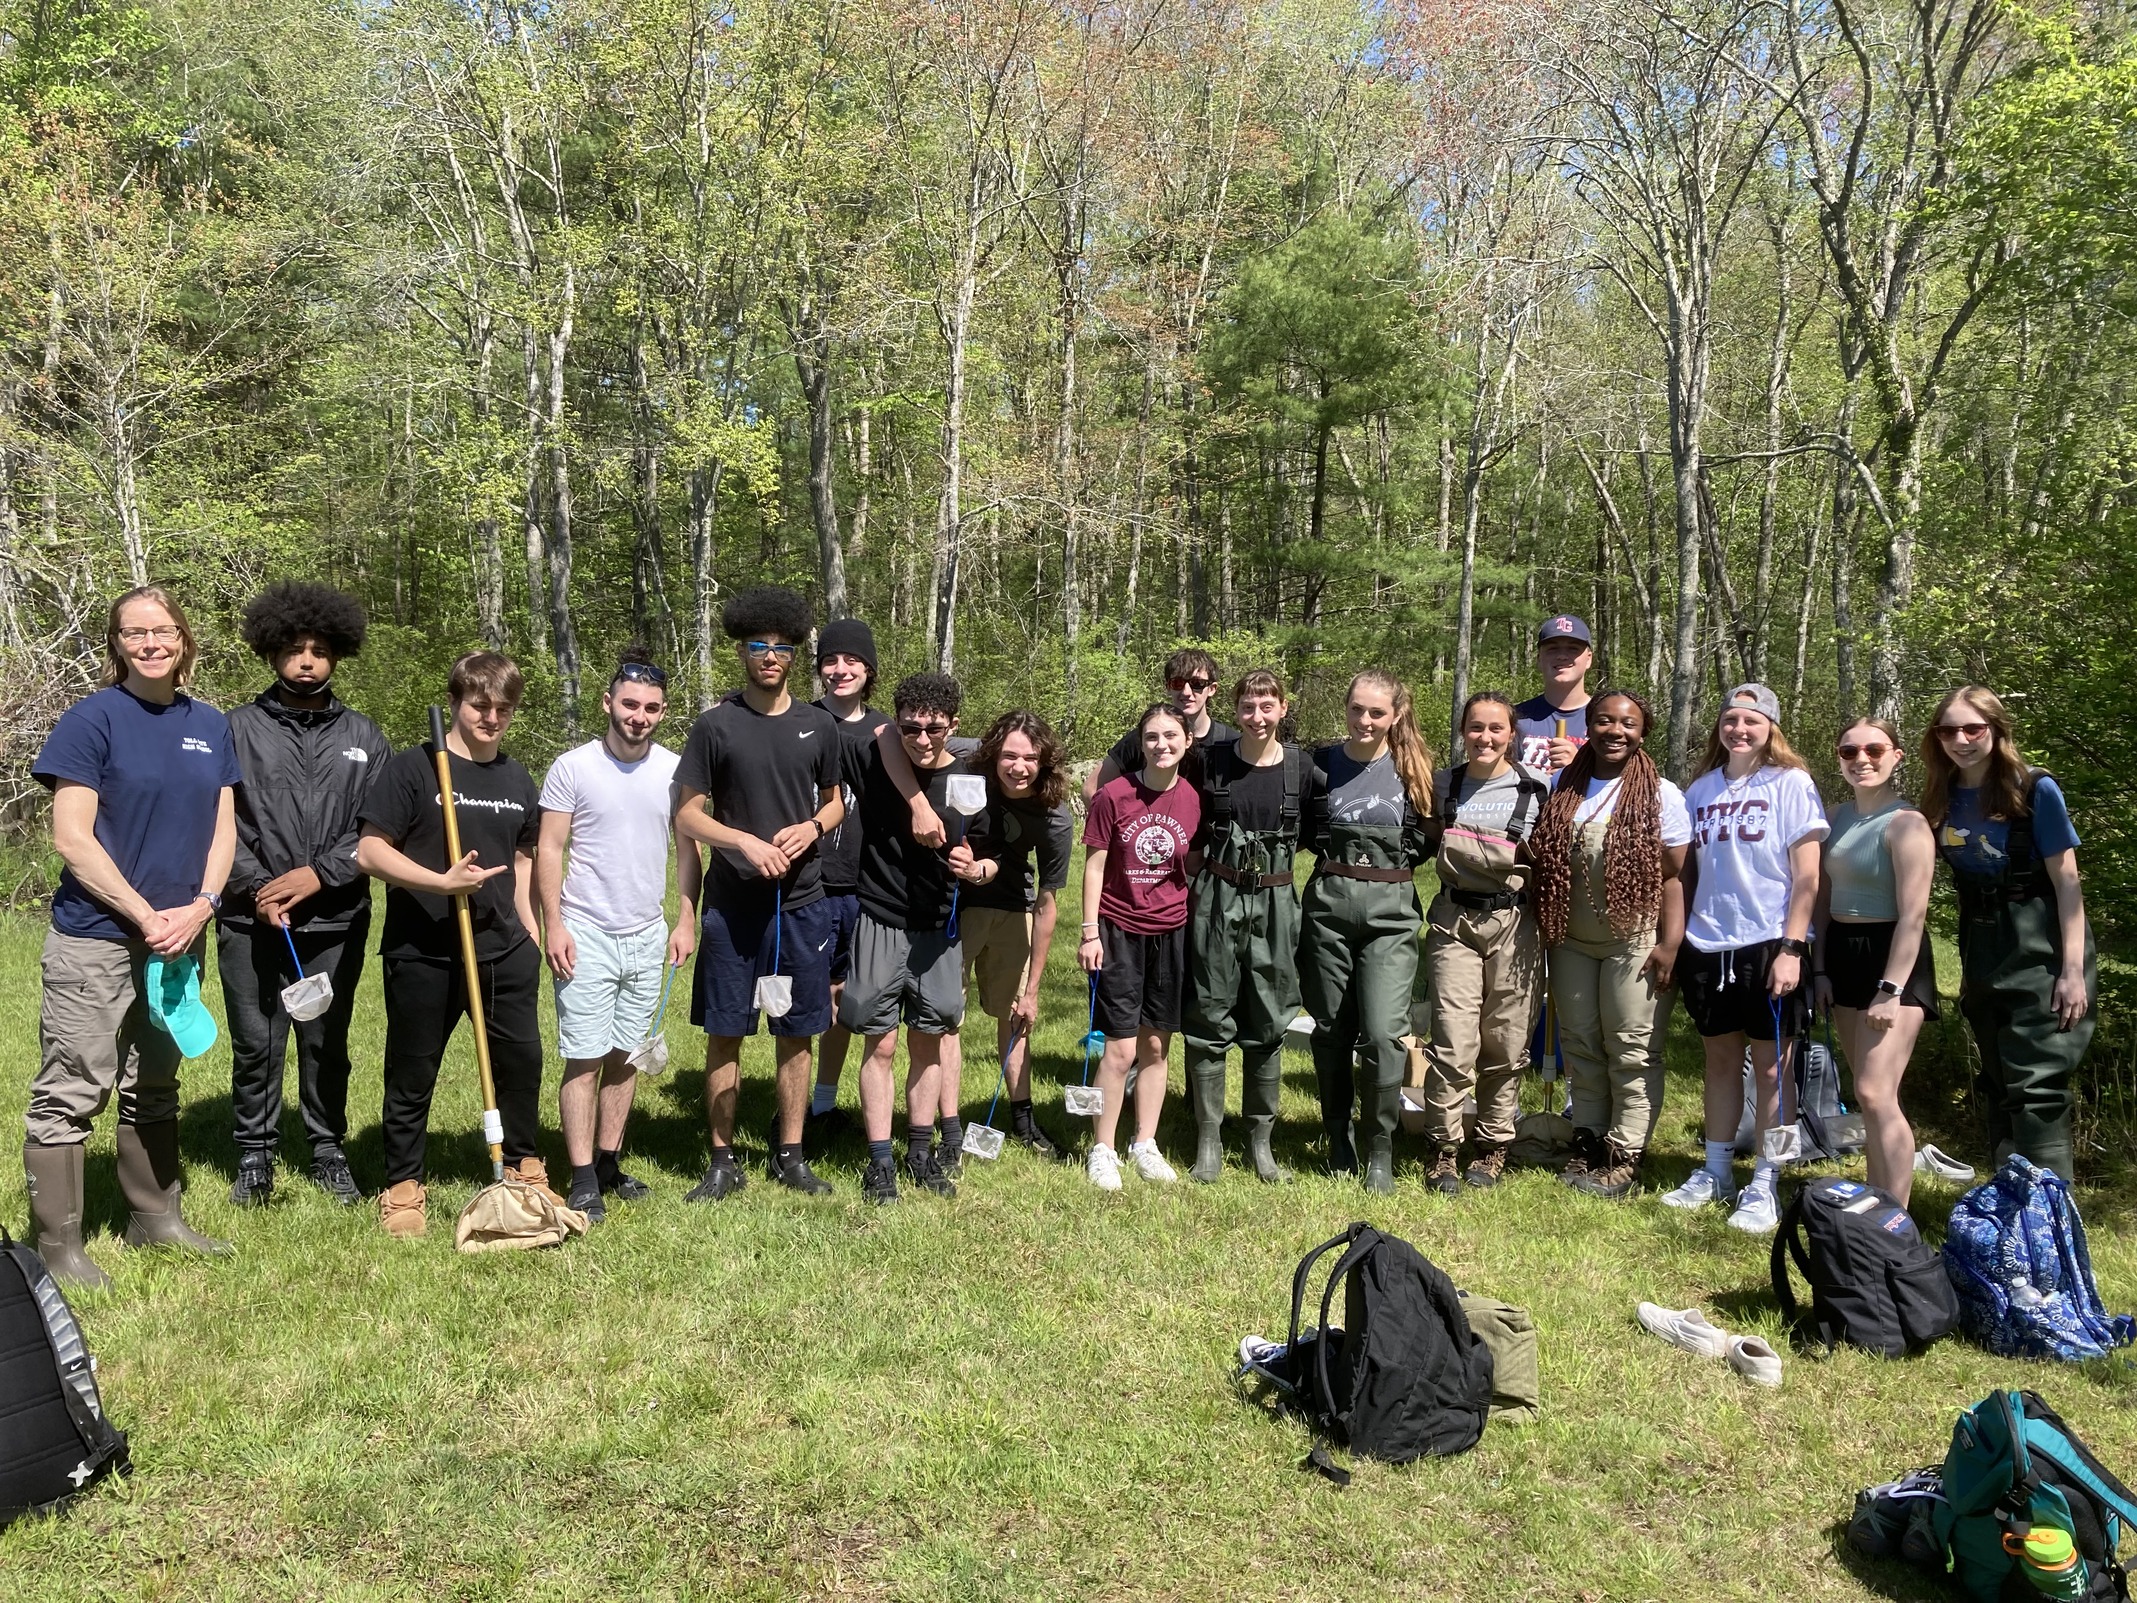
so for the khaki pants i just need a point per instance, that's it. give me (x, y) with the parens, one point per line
(1611, 1026)
(96, 1037)
(1485, 969)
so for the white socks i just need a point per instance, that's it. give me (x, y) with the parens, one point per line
(1721, 1161)
(1766, 1174)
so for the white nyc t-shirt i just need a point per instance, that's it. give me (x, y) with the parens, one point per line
(618, 872)
(1741, 835)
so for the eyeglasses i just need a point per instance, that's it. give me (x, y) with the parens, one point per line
(915, 731)
(643, 673)
(1953, 731)
(165, 634)
(767, 648)
(1183, 686)
(1874, 750)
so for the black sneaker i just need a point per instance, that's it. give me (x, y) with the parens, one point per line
(255, 1179)
(586, 1199)
(1034, 1140)
(330, 1173)
(828, 1125)
(950, 1160)
(926, 1173)
(798, 1176)
(721, 1181)
(617, 1184)
(879, 1183)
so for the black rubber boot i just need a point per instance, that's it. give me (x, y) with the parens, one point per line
(150, 1177)
(55, 1176)
(1205, 1090)
(1380, 1165)
(1261, 1080)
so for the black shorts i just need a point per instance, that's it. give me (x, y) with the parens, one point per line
(1854, 957)
(1142, 981)
(1725, 993)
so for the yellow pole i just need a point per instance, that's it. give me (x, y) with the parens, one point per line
(492, 1125)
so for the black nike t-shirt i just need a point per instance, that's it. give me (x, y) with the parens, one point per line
(759, 773)
(903, 884)
(841, 851)
(495, 804)
(1020, 834)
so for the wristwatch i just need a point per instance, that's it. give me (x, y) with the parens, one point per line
(1887, 988)
(215, 902)
(819, 823)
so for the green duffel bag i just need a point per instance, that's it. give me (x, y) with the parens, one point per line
(1516, 1375)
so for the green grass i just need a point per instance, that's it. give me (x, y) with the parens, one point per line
(1021, 1394)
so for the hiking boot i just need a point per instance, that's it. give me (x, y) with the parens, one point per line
(950, 1160)
(1587, 1154)
(1380, 1166)
(55, 1179)
(152, 1182)
(798, 1176)
(722, 1180)
(617, 1184)
(1614, 1174)
(1445, 1175)
(255, 1182)
(330, 1173)
(585, 1197)
(402, 1209)
(1486, 1168)
(879, 1183)
(926, 1173)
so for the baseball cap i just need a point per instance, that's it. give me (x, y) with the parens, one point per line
(1564, 627)
(173, 986)
(1759, 699)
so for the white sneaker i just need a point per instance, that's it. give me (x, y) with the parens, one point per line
(1757, 1209)
(1930, 1161)
(1697, 1191)
(1755, 1360)
(1103, 1169)
(1150, 1163)
(1686, 1328)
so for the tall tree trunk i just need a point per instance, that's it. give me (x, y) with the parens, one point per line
(1846, 513)
(812, 365)
(560, 534)
(704, 512)
(535, 543)
(1688, 376)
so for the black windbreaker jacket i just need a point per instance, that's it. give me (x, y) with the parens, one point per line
(305, 775)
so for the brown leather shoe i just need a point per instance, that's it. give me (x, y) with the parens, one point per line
(1486, 1167)
(403, 1210)
(1587, 1152)
(1445, 1175)
(1614, 1177)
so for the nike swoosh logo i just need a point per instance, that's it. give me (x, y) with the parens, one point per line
(805, 734)
(821, 945)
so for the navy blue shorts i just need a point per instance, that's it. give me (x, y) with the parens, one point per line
(735, 947)
(846, 913)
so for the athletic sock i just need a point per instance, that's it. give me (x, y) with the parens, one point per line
(1020, 1116)
(953, 1134)
(824, 1098)
(789, 1154)
(879, 1152)
(1141, 1146)
(918, 1138)
(1721, 1160)
(585, 1174)
(1766, 1174)
(723, 1157)
(606, 1167)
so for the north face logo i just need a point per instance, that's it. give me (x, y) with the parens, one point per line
(357, 754)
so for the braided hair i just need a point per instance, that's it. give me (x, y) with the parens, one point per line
(1632, 842)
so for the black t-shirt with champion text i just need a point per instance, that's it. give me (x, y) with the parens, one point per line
(1127, 752)
(758, 773)
(841, 850)
(1016, 833)
(903, 884)
(495, 805)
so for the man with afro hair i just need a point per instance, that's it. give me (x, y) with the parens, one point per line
(295, 892)
(759, 784)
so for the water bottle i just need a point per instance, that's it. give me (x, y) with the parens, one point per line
(2050, 1561)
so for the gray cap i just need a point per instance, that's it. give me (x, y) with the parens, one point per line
(1759, 699)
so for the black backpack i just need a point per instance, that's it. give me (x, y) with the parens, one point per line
(1874, 1282)
(57, 1440)
(1404, 1376)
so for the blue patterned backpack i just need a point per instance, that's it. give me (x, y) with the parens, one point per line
(2017, 1259)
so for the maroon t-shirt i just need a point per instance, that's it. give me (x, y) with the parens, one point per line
(1145, 835)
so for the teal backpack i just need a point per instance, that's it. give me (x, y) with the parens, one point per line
(2013, 1465)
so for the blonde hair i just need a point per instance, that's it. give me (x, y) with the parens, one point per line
(1413, 758)
(115, 664)
(1778, 753)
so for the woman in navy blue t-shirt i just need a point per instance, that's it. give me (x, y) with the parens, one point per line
(2025, 953)
(144, 818)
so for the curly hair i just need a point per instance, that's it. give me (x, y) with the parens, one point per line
(2004, 791)
(1050, 789)
(928, 692)
(769, 609)
(285, 613)
(1632, 841)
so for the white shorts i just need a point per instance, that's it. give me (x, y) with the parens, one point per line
(607, 1004)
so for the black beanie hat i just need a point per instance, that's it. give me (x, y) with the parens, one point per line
(848, 637)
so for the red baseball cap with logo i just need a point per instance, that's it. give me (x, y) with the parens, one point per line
(1564, 627)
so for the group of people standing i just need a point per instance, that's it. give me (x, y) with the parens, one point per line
(847, 873)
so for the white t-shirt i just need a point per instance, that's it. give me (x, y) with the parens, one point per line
(1602, 801)
(1742, 832)
(617, 879)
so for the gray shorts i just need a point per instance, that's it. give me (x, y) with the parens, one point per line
(917, 979)
(97, 1039)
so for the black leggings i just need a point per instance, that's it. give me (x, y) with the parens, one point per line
(424, 1003)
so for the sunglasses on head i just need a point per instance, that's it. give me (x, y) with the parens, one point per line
(1970, 731)
(1178, 686)
(914, 731)
(1873, 749)
(767, 648)
(642, 673)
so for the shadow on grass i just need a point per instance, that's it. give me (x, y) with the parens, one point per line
(1886, 1577)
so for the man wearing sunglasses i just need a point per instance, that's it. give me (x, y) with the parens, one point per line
(1190, 682)
(759, 784)
(604, 927)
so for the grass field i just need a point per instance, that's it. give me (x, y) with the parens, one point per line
(1023, 1393)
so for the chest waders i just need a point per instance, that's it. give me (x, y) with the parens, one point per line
(1357, 962)
(2010, 953)
(1242, 982)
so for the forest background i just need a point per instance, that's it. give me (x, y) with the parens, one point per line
(1782, 339)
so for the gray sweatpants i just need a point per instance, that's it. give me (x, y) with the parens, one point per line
(96, 1037)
